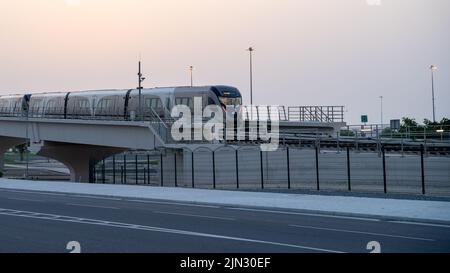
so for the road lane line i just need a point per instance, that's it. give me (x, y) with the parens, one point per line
(96, 197)
(24, 199)
(172, 203)
(195, 215)
(62, 218)
(309, 214)
(364, 232)
(33, 192)
(91, 206)
(420, 224)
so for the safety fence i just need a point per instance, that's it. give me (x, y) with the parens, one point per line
(288, 169)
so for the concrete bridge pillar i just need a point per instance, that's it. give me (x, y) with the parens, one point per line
(7, 143)
(78, 158)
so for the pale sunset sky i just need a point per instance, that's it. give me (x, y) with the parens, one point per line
(308, 52)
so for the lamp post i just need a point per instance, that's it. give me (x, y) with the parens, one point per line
(191, 69)
(140, 79)
(381, 101)
(250, 50)
(433, 68)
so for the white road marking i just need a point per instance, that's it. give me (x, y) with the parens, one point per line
(91, 206)
(364, 232)
(96, 197)
(195, 215)
(62, 218)
(172, 203)
(420, 224)
(309, 214)
(24, 199)
(33, 192)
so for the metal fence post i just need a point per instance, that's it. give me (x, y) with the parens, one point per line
(214, 169)
(348, 170)
(237, 168)
(161, 169)
(422, 165)
(121, 174)
(175, 166)
(338, 142)
(148, 169)
(114, 169)
(103, 172)
(136, 169)
(288, 167)
(91, 171)
(125, 169)
(262, 169)
(317, 169)
(384, 169)
(145, 175)
(192, 169)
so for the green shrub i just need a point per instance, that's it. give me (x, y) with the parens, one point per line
(1, 173)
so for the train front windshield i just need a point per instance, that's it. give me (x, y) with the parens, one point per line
(227, 101)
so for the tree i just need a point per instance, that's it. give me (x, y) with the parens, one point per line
(409, 122)
(445, 122)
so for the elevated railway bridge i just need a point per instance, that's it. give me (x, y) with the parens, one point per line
(80, 142)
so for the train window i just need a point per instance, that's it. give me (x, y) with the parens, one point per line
(104, 103)
(16, 105)
(36, 105)
(153, 103)
(51, 104)
(83, 103)
(184, 101)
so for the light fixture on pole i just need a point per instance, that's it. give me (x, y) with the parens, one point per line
(433, 68)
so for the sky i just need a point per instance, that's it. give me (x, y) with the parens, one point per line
(307, 52)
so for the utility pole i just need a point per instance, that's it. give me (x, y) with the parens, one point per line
(140, 79)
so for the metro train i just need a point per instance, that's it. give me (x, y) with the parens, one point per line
(115, 104)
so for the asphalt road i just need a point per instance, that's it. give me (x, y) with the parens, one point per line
(47, 222)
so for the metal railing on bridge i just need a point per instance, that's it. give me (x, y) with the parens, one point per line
(161, 122)
(327, 114)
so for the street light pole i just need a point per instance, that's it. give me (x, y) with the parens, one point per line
(381, 99)
(191, 68)
(140, 79)
(433, 68)
(251, 49)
